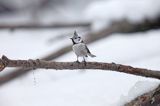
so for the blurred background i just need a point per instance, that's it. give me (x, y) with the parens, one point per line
(120, 31)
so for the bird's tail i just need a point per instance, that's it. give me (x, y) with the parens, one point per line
(91, 55)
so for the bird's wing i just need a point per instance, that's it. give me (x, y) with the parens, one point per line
(89, 53)
(87, 49)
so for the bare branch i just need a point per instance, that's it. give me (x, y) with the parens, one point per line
(44, 26)
(151, 98)
(35, 64)
(117, 27)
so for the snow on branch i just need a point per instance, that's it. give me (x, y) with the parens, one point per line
(35, 64)
(151, 98)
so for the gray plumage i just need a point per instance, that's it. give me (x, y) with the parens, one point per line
(80, 48)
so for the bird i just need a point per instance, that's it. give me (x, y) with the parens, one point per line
(80, 48)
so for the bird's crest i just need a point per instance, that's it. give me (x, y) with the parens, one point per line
(75, 34)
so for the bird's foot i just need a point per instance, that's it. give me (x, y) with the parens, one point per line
(77, 61)
(85, 63)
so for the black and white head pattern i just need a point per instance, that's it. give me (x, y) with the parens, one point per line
(76, 39)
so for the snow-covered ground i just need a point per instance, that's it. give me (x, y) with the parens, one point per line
(105, 11)
(135, 11)
(89, 87)
(77, 87)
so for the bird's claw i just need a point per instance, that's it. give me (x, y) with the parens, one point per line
(85, 63)
(77, 61)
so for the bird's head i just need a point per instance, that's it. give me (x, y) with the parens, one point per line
(76, 39)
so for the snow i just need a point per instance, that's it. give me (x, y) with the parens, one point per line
(89, 87)
(135, 10)
(126, 49)
(107, 11)
(85, 87)
(32, 40)
(138, 89)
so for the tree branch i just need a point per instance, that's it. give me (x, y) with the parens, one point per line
(35, 64)
(151, 98)
(44, 26)
(122, 26)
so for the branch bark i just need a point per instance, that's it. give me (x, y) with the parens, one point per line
(117, 27)
(151, 98)
(35, 64)
(44, 26)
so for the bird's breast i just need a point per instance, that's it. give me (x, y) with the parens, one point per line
(80, 49)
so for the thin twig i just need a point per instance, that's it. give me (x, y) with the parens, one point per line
(35, 64)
